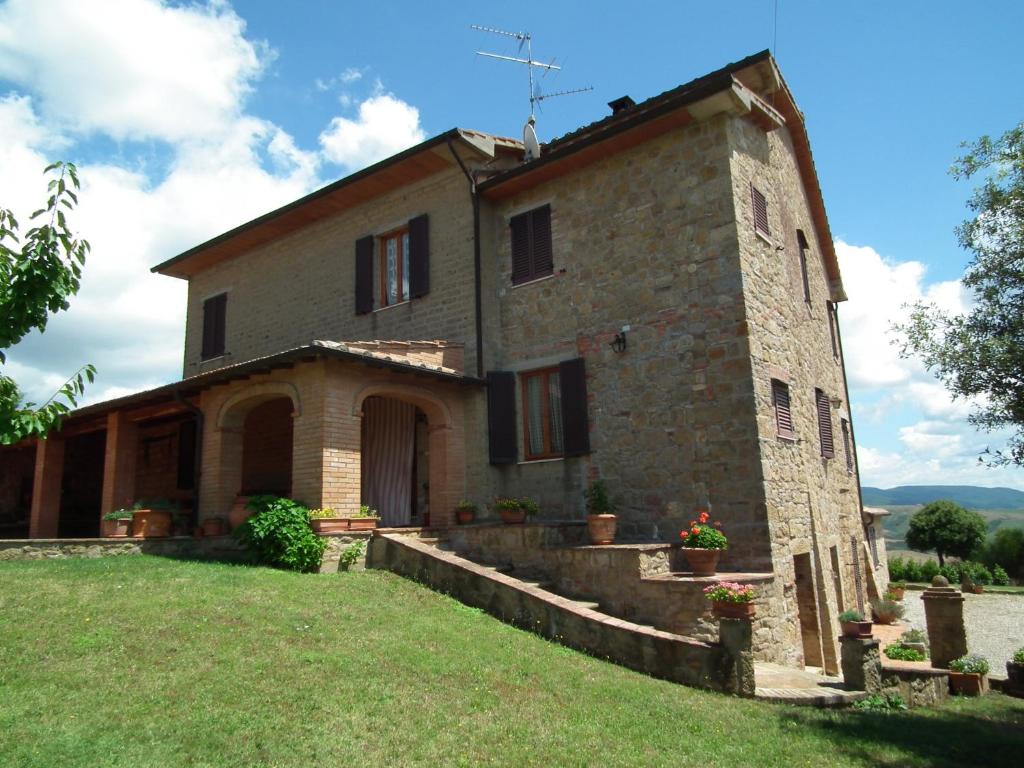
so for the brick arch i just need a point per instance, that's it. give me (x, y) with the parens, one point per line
(233, 411)
(437, 411)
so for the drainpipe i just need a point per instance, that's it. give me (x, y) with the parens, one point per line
(477, 288)
(197, 466)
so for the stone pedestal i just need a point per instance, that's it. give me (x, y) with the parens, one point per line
(944, 614)
(862, 664)
(736, 635)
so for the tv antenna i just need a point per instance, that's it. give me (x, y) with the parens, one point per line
(536, 96)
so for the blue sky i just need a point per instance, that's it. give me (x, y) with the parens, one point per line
(188, 118)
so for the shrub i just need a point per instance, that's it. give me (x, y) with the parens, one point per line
(897, 569)
(972, 663)
(1018, 656)
(850, 615)
(891, 702)
(912, 571)
(902, 653)
(279, 534)
(886, 611)
(951, 571)
(929, 570)
(598, 501)
(914, 636)
(730, 592)
(975, 572)
(701, 535)
(350, 555)
(999, 576)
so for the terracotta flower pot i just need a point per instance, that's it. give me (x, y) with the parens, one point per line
(362, 523)
(726, 610)
(703, 562)
(856, 628)
(896, 592)
(512, 516)
(602, 528)
(239, 513)
(115, 529)
(968, 683)
(464, 516)
(329, 524)
(150, 523)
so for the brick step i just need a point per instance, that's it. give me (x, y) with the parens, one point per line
(810, 697)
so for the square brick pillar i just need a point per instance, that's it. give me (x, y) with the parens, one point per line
(221, 477)
(45, 519)
(944, 617)
(119, 463)
(862, 664)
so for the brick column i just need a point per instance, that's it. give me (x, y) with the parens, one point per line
(944, 615)
(736, 637)
(862, 664)
(340, 463)
(119, 463)
(46, 488)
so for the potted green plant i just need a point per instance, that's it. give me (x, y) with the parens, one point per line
(601, 519)
(117, 524)
(730, 600)
(703, 544)
(465, 512)
(509, 509)
(152, 518)
(1015, 671)
(326, 520)
(968, 675)
(365, 520)
(886, 611)
(854, 624)
(896, 590)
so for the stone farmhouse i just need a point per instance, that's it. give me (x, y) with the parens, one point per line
(651, 301)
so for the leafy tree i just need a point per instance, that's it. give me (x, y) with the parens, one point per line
(947, 528)
(981, 353)
(38, 275)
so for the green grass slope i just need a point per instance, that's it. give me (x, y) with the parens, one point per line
(139, 661)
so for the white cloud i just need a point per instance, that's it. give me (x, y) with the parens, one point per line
(350, 75)
(385, 125)
(142, 69)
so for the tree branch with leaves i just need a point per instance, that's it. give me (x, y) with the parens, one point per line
(980, 354)
(39, 274)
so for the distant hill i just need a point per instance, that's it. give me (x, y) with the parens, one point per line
(971, 496)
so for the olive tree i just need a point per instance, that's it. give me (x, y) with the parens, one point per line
(947, 528)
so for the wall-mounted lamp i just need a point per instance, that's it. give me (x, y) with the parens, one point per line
(618, 344)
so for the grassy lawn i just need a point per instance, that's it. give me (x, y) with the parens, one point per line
(142, 661)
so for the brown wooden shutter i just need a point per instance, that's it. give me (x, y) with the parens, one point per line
(760, 205)
(572, 377)
(214, 325)
(828, 448)
(419, 257)
(501, 417)
(520, 229)
(540, 240)
(783, 414)
(364, 275)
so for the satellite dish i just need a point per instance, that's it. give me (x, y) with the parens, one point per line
(530, 140)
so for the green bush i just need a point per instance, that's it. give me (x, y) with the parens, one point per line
(972, 663)
(999, 576)
(951, 571)
(976, 572)
(1018, 656)
(897, 569)
(280, 536)
(902, 653)
(929, 570)
(891, 702)
(912, 571)
(350, 555)
(851, 615)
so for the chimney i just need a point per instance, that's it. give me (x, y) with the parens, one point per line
(621, 104)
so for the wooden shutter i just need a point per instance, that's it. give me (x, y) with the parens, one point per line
(760, 205)
(364, 275)
(501, 417)
(575, 425)
(783, 414)
(214, 325)
(828, 448)
(540, 240)
(520, 229)
(419, 257)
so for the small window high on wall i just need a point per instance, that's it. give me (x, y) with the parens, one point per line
(215, 311)
(531, 245)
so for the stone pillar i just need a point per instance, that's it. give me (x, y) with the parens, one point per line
(944, 614)
(862, 664)
(735, 636)
(119, 463)
(45, 518)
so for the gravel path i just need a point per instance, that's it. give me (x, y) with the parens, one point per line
(995, 624)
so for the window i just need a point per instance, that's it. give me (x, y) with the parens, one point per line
(760, 205)
(542, 414)
(393, 268)
(847, 445)
(783, 415)
(214, 318)
(828, 449)
(531, 245)
(801, 241)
